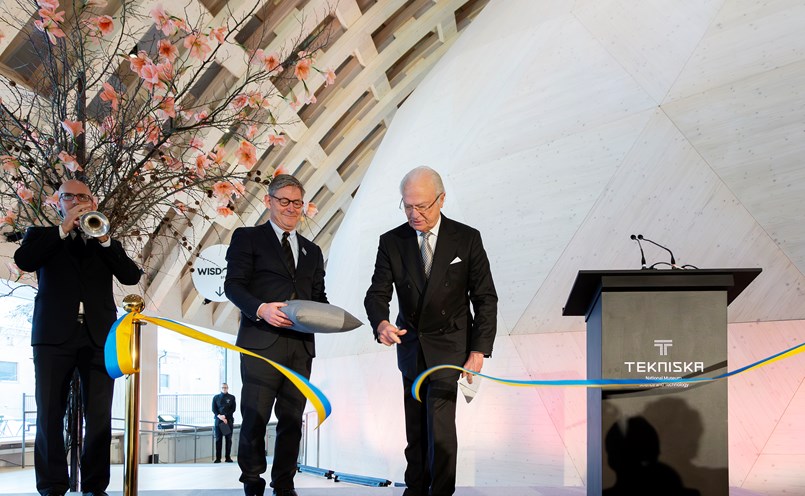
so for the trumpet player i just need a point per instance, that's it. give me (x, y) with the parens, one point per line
(73, 313)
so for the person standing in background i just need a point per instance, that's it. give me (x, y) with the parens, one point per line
(224, 406)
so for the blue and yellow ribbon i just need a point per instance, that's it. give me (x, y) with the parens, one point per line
(119, 362)
(608, 383)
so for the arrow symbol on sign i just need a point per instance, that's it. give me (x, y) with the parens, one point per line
(219, 292)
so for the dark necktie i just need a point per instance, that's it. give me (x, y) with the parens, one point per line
(286, 248)
(427, 253)
(77, 245)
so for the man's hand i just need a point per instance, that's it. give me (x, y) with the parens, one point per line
(222, 418)
(271, 313)
(474, 363)
(388, 333)
(73, 216)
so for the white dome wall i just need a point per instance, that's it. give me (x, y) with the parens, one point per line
(560, 128)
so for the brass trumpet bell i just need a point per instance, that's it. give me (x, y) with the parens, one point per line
(94, 224)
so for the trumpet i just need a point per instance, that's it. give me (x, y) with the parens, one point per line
(94, 224)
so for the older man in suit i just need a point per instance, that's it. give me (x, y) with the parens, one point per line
(439, 269)
(267, 265)
(73, 313)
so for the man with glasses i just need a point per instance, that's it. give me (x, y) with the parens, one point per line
(73, 313)
(267, 265)
(439, 270)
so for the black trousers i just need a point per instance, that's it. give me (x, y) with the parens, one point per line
(264, 389)
(432, 444)
(219, 437)
(54, 366)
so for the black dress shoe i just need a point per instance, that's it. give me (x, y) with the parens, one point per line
(285, 492)
(94, 493)
(228, 460)
(254, 488)
(218, 460)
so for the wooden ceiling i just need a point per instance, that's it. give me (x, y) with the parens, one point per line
(380, 51)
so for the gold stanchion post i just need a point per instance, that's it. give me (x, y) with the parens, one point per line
(133, 303)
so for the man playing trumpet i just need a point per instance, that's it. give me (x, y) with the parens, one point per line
(73, 313)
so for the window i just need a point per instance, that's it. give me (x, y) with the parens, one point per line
(164, 381)
(8, 371)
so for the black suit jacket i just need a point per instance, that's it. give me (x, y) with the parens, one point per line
(436, 313)
(256, 273)
(68, 276)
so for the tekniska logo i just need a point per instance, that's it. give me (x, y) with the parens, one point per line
(663, 345)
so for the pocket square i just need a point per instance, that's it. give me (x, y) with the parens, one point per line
(455, 261)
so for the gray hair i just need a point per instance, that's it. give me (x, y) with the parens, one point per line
(425, 171)
(283, 181)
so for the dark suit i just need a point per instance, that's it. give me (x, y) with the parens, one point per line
(70, 271)
(257, 273)
(441, 330)
(223, 404)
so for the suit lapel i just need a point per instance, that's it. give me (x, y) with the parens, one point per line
(446, 244)
(271, 239)
(412, 259)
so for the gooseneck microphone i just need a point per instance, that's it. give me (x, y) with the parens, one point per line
(642, 255)
(673, 260)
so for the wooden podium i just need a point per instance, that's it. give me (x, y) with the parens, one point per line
(657, 324)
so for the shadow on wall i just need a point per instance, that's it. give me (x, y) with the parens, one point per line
(634, 448)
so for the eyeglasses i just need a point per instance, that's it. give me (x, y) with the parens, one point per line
(82, 197)
(285, 202)
(418, 208)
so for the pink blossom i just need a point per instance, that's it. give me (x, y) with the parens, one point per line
(179, 206)
(10, 163)
(202, 116)
(224, 211)
(302, 69)
(272, 62)
(202, 163)
(167, 50)
(217, 155)
(149, 165)
(137, 63)
(251, 132)
(218, 34)
(162, 20)
(73, 128)
(110, 95)
(197, 143)
(97, 3)
(24, 193)
(182, 24)
(2, 35)
(277, 140)
(69, 161)
(246, 154)
(50, 28)
(150, 74)
(279, 170)
(256, 100)
(167, 107)
(165, 70)
(105, 24)
(239, 102)
(198, 45)
(223, 190)
(53, 200)
(48, 4)
(10, 217)
(311, 210)
(51, 15)
(329, 77)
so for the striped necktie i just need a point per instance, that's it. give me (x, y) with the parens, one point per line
(427, 253)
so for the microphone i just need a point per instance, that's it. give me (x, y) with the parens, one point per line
(673, 260)
(642, 255)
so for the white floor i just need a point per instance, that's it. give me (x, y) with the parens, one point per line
(207, 479)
